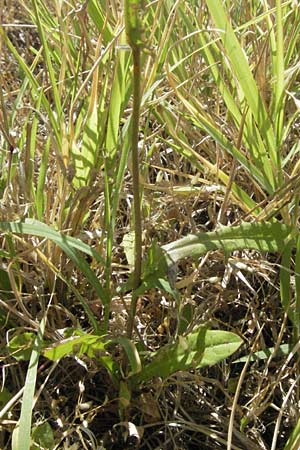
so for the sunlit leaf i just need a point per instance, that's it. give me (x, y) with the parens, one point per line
(263, 237)
(198, 349)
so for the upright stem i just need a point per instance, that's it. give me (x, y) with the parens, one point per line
(135, 165)
(133, 11)
(136, 54)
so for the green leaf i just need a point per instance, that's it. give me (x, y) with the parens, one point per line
(40, 196)
(240, 66)
(21, 433)
(263, 237)
(120, 91)
(4, 281)
(85, 155)
(76, 345)
(34, 85)
(293, 442)
(67, 243)
(132, 354)
(48, 63)
(90, 345)
(158, 272)
(159, 267)
(296, 314)
(20, 346)
(99, 16)
(5, 397)
(265, 353)
(198, 349)
(285, 282)
(185, 317)
(43, 437)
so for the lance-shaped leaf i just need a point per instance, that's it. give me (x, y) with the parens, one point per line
(198, 349)
(263, 237)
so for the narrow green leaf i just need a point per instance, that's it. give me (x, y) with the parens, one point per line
(240, 66)
(47, 55)
(132, 354)
(67, 243)
(293, 442)
(182, 147)
(36, 88)
(263, 237)
(99, 17)
(265, 353)
(85, 155)
(20, 346)
(285, 281)
(40, 190)
(21, 438)
(119, 95)
(279, 84)
(297, 292)
(76, 345)
(121, 89)
(90, 345)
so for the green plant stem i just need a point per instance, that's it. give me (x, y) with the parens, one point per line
(136, 54)
(135, 166)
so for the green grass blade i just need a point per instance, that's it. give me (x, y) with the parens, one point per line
(258, 164)
(47, 55)
(99, 18)
(293, 442)
(121, 89)
(67, 243)
(36, 88)
(297, 293)
(41, 183)
(285, 282)
(279, 81)
(85, 157)
(262, 176)
(243, 73)
(21, 437)
(30, 150)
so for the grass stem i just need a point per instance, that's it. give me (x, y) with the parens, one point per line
(135, 181)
